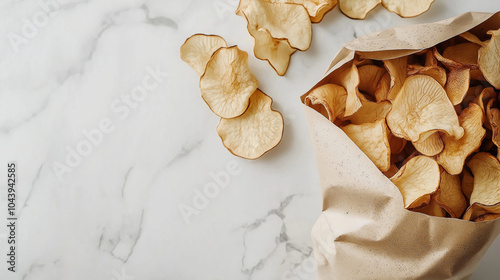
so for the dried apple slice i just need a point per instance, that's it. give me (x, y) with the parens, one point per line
(449, 195)
(494, 120)
(199, 48)
(369, 77)
(328, 99)
(431, 209)
(397, 68)
(254, 133)
(370, 111)
(349, 79)
(357, 9)
(484, 97)
(487, 217)
(372, 139)
(275, 51)
(422, 108)
(438, 73)
(383, 88)
(467, 183)
(317, 8)
(431, 146)
(417, 180)
(486, 192)
(489, 59)
(478, 210)
(283, 21)
(407, 9)
(397, 144)
(452, 158)
(472, 38)
(228, 83)
(465, 53)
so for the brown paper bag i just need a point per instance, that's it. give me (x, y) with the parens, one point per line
(364, 231)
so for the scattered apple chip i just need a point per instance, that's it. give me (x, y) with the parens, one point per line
(328, 99)
(283, 21)
(349, 79)
(397, 69)
(422, 108)
(431, 146)
(417, 180)
(255, 132)
(455, 152)
(438, 73)
(357, 9)
(372, 139)
(449, 195)
(228, 83)
(489, 59)
(407, 8)
(275, 51)
(317, 8)
(198, 49)
(370, 111)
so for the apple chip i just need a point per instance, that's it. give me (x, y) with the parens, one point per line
(486, 95)
(317, 8)
(486, 171)
(430, 59)
(472, 38)
(449, 195)
(467, 183)
(431, 146)
(417, 180)
(349, 79)
(283, 21)
(255, 132)
(328, 99)
(438, 73)
(370, 111)
(489, 59)
(383, 88)
(369, 77)
(357, 9)
(431, 209)
(465, 53)
(397, 69)
(397, 144)
(407, 8)
(487, 217)
(452, 158)
(228, 83)
(477, 210)
(494, 120)
(372, 139)
(422, 108)
(198, 49)
(275, 51)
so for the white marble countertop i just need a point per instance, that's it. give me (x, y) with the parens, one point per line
(109, 208)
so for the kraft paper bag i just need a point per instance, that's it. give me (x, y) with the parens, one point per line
(364, 231)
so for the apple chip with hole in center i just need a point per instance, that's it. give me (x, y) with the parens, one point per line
(254, 133)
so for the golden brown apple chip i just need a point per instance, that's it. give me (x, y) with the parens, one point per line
(467, 183)
(349, 79)
(438, 73)
(228, 83)
(199, 48)
(397, 144)
(406, 8)
(383, 88)
(455, 152)
(369, 77)
(472, 38)
(422, 108)
(397, 69)
(449, 195)
(487, 217)
(254, 133)
(465, 53)
(370, 111)
(373, 140)
(357, 9)
(477, 210)
(486, 171)
(417, 180)
(489, 59)
(431, 209)
(328, 99)
(431, 146)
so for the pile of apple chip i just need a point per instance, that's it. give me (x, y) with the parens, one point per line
(249, 127)
(429, 121)
(281, 27)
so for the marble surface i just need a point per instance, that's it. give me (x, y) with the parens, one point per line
(121, 174)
